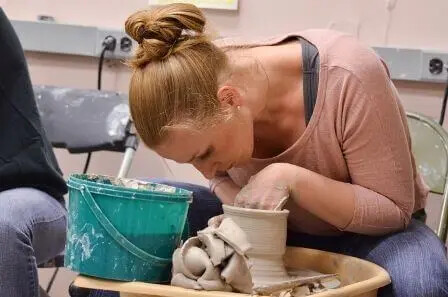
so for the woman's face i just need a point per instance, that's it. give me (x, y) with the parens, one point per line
(211, 150)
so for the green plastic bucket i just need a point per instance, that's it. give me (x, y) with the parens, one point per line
(122, 233)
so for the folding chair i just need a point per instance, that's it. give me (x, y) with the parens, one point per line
(430, 148)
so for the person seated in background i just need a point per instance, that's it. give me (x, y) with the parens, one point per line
(32, 211)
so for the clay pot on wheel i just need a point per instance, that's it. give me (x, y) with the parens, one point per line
(266, 232)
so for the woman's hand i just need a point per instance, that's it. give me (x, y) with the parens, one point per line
(269, 187)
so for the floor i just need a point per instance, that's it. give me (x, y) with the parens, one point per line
(65, 276)
(61, 283)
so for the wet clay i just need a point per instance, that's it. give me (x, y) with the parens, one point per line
(266, 232)
(243, 251)
(129, 183)
(214, 260)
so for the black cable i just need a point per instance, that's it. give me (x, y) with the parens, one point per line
(100, 71)
(444, 103)
(100, 67)
(53, 277)
(86, 165)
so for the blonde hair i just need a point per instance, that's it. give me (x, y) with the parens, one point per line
(175, 71)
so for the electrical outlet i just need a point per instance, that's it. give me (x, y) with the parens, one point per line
(430, 66)
(436, 66)
(124, 46)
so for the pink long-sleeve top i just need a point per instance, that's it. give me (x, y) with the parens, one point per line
(358, 134)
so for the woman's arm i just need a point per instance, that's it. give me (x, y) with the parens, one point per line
(330, 200)
(225, 189)
(346, 206)
(375, 143)
(374, 140)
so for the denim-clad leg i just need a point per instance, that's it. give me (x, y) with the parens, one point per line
(32, 231)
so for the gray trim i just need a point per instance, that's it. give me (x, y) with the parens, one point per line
(66, 39)
(398, 60)
(56, 38)
(404, 64)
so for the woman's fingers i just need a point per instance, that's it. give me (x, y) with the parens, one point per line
(259, 196)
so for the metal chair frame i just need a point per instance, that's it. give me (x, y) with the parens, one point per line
(431, 124)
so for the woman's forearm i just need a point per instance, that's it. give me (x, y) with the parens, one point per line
(346, 206)
(227, 191)
(330, 200)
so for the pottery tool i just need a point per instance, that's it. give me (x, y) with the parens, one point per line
(281, 204)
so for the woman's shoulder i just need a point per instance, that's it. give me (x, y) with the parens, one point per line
(337, 49)
(346, 53)
(341, 53)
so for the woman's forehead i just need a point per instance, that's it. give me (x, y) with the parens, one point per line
(181, 143)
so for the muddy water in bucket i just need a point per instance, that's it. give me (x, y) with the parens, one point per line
(123, 229)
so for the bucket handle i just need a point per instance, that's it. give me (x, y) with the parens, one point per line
(123, 241)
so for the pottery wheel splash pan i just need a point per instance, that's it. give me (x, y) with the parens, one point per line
(359, 278)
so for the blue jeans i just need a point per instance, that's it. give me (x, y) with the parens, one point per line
(32, 231)
(415, 258)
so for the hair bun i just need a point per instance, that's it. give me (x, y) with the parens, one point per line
(158, 30)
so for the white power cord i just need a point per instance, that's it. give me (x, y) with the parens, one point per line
(390, 6)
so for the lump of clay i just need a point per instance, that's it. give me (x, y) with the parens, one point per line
(179, 265)
(215, 247)
(180, 280)
(295, 292)
(243, 252)
(237, 273)
(196, 261)
(233, 235)
(214, 222)
(193, 269)
(208, 262)
(211, 280)
(301, 291)
(332, 283)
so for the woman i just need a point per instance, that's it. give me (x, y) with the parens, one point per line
(313, 115)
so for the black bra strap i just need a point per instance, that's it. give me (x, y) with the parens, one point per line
(310, 57)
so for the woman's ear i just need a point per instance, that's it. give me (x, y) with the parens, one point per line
(229, 95)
